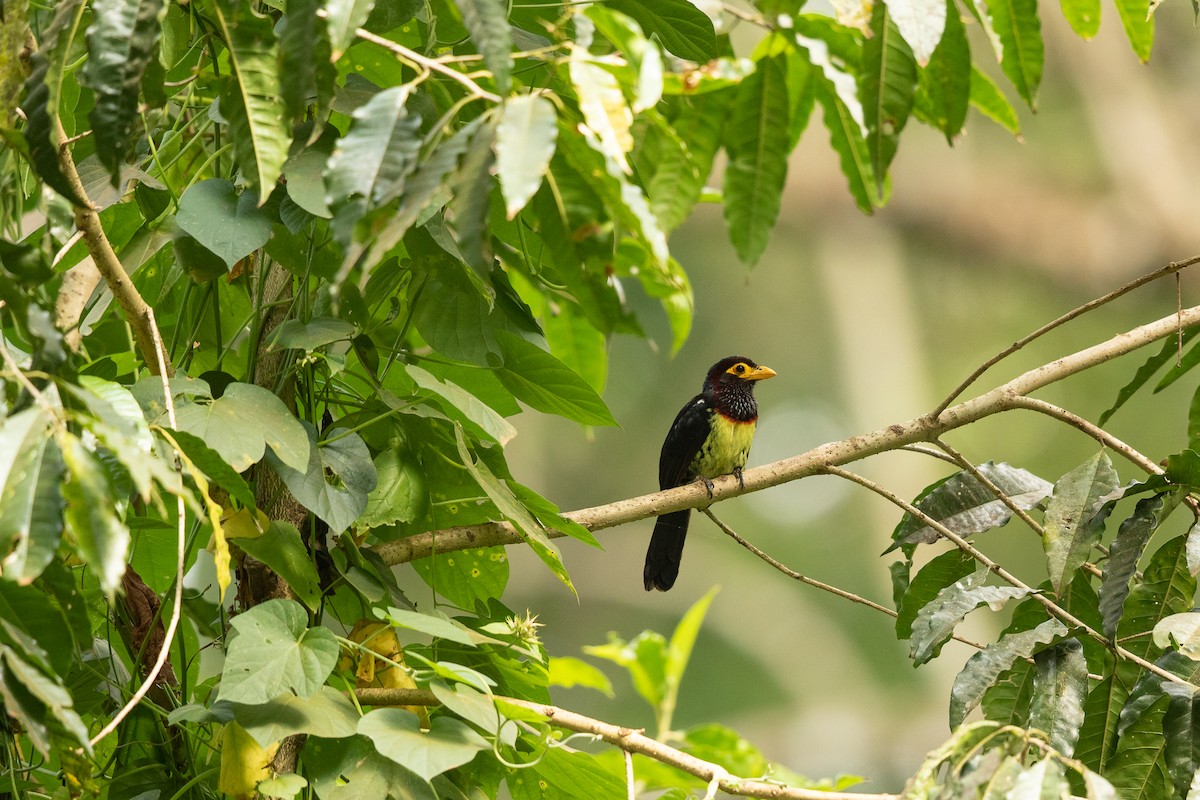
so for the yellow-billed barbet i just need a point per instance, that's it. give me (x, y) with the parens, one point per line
(710, 437)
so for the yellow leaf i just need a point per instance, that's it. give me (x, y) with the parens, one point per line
(243, 762)
(218, 545)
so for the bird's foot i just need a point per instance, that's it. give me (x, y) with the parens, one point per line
(737, 473)
(708, 485)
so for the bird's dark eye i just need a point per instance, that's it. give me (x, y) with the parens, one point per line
(739, 369)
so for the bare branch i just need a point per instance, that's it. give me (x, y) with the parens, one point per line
(631, 741)
(922, 429)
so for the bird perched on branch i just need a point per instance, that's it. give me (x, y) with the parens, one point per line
(710, 437)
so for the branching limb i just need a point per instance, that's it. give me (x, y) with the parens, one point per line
(962, 544)
(629, 740)
(922, 429)
(825, 587)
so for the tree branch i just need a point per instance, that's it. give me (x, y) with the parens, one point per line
(631, 741)
(921, 429)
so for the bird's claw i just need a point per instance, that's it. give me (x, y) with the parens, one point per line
(737, 473)
(708, 485)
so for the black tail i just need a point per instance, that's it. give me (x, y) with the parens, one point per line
(665, 551)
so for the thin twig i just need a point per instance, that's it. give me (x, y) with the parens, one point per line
(630, 786)
(631, 741)
(180, 553)
(1095, 431)
(1006, 576)
(825, 587)
(1173, 267)
(892, 437)
(926, 450)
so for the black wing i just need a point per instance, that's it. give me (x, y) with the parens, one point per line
(683, 442)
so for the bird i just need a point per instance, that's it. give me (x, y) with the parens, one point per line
(710, 437)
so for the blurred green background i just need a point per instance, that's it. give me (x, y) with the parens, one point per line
(870, 321)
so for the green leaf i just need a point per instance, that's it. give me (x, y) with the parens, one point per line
(966, 506)
(1045, 779)
(645, 657)
(1169, 350)
(1083, 16)
(43, 93)
(317, 332)
(230, 225)
(946, 80)
(121, 41)
(1069, 535)
(397, 735)
(327, 713)
(457, 323)
(984, 668)
(306, 71)
(281, 548)
(936, 621)
(271, 650)
(940, 572)
(252, 102)
(242, 422)
(487, 22)
(464, 406)
(1150, 687)
(545, 383)
(471, 190)
(1127, 547)
(921, 23)
(1166, 587)
(682, 164)
(465, 576)
(1101, 715)
(570, 672)
(209, 462)
(887, 86)
(435, 624)
(338, 477)
(682, 28)
(399, 490)
(1059, 690)
(380, 150)
(1181, 728)
(525, 139)
(1138, 769)
(1139, 26)
(568, 774)
(305, 173)
(29, 691)
(578, 344)
(991, 102)
(343, 17)
(31, 501)
(849, 142)
(1181, 631)
(1022, 52)
(757, 143)
(100, 535)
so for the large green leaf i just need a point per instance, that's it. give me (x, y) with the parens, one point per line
(271, 650)
(1181, 728)
(252, 100)
(757, 142)
(1132, 538)
(1150, 687)
(377, 154)
(471, 189)
(1139, 26)
(327, 712)
(542, 381)
(399, 492)
(945, 83)
(936, 621)
(306, 74)
(397, 735)
(343, 18)
(434, 623)
(468, 409)
(848, 140)
(43, 93)
(100, 535)
(242, 422)
(229, 224)
(681, 164)
(337, 479)
(1022, 51)
(991, 102)
(1069, 535)
(682, 28)
(209, 462)
(121, 41)
(465, 576)
(487, 21)
(31, 501)
(966, 506)
(985, 667)
(1059, 690)
(1101, 715)
(1138, 769)
(525, 139)
(578, 344)
(940, 572)
(1166, 587)
(33, 694)
(887, 86)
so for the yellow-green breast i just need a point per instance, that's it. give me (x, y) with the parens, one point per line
(725, 449)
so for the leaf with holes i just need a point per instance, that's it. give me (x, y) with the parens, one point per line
(337, 480)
